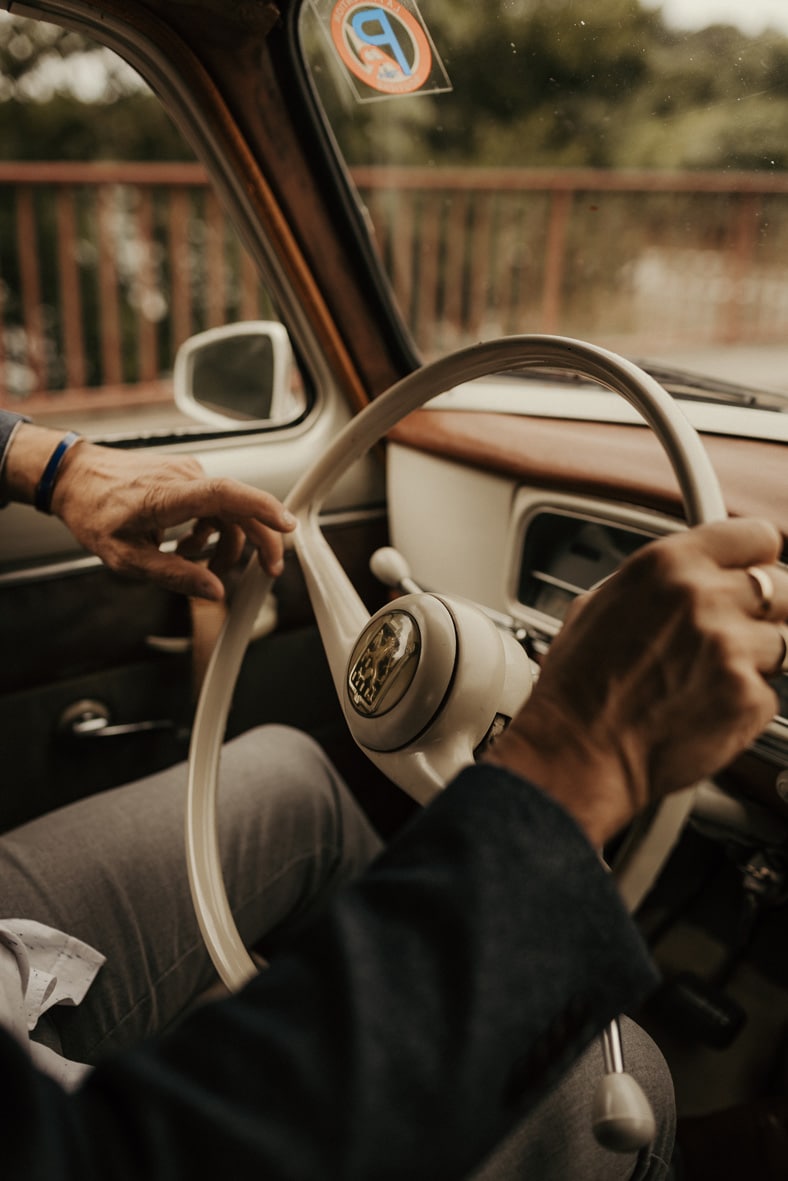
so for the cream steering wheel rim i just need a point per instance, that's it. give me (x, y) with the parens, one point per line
(341, 615)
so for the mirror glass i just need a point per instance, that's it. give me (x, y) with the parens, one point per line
(235, 377)
(239, 373)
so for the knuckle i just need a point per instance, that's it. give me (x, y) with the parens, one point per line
(123, 563)
(659, 561)
(663, 568)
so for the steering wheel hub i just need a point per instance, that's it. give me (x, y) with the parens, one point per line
(400, 671)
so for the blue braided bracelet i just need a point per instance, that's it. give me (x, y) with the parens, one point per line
(46, 485)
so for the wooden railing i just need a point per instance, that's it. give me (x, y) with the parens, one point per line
(633, 259)
(106, 268)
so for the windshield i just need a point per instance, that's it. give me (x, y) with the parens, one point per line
(615, 171)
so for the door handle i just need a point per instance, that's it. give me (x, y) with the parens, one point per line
(91, 719)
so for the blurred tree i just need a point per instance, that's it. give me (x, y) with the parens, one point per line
(557, 82)
(713, 99)
(546, 82)
(63, 97)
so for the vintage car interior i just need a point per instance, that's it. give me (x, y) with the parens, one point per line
(493, 295)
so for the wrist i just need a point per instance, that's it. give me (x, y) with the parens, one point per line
(10, 423)
(36, 461)
(588, 780)
(45, 488)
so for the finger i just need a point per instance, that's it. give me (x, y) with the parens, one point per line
(192, 544)
(768, 704)
(765, 645)
(738, 542)
(229, 547)
(172, 572)
(268, 543)
(223, 499)
(269, 546)
(230, 543)
(764, 591)
(773, 651)
(782, 665)
(270, 551)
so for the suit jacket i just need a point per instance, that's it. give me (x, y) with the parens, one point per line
(396, 1039)
(8, 424)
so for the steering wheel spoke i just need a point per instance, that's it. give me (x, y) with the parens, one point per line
(339, 611)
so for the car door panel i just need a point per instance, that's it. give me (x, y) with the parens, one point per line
(87, 635)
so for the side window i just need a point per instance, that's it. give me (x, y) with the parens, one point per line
(114, 252)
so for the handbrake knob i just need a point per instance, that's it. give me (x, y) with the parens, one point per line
(621, 1117)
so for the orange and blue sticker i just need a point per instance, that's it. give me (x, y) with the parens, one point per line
(384, 47)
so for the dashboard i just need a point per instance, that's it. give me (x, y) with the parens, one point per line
(527, 550)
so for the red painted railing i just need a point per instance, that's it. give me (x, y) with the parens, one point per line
(106, 268)
(633, 258)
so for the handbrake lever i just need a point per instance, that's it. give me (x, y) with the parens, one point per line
(621, 1117)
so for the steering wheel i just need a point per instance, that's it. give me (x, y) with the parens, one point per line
(423, 680)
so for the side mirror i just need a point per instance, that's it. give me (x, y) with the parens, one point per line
(239, 373)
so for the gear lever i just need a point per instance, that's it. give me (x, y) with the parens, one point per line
(389, 567)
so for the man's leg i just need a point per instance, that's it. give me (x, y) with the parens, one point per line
(556, 1142)
(111, 870)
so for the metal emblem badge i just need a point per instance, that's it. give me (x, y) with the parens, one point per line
(384, 664)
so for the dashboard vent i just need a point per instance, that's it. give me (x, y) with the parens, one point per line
(565, 555)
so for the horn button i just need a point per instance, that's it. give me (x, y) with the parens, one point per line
(400, 671)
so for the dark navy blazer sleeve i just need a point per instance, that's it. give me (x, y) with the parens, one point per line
(400, 1036)
(8, 424)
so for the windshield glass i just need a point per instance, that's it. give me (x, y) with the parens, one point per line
(615, 171)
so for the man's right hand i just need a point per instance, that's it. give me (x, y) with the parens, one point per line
(659, 677)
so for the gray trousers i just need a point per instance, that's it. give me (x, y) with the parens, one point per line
(111, 870)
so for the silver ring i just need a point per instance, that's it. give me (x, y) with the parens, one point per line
(764, 586)
(782, 667)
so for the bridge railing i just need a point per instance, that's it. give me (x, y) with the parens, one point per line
(634, 259)
(106, 268)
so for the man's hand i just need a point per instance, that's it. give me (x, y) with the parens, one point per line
(118, 504)
(658, 679)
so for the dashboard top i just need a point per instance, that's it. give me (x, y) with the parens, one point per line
(620, 461)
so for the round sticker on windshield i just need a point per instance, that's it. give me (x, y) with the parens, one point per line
(384, 45)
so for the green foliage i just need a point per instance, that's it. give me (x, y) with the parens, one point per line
(559, 82)
(714, 99)
(547, 82)
(131, 127)
(63, 97)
